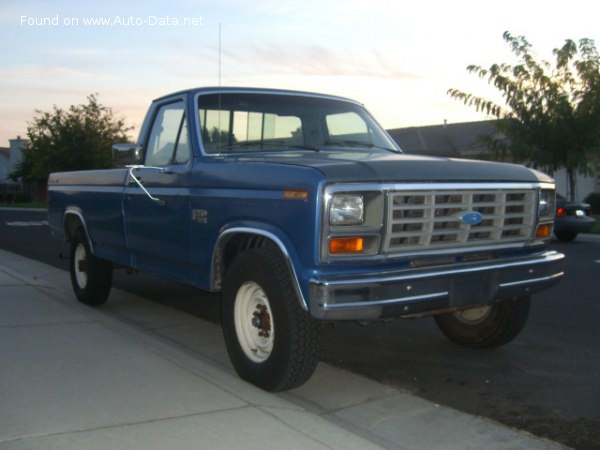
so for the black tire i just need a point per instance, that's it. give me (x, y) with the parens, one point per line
(286, 354)
(497, 325)
(566, 236)
(91, 277)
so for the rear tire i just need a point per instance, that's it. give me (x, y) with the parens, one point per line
(486, 326)
(91, 276)
(565, 236)
(272, 341)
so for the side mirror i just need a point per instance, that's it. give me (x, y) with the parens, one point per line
(126, 154)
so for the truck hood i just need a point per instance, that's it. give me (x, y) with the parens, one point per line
(390, 167)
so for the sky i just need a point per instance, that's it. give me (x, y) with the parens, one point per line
(398, 58)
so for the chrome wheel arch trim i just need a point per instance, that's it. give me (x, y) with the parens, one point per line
(76, 211)
(225, 236)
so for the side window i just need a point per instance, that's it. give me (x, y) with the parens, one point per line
(168, 142)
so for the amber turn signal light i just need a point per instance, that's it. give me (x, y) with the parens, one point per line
(295, 194)
(543, 231)
(346, 245)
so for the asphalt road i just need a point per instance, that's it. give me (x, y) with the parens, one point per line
(547, 381)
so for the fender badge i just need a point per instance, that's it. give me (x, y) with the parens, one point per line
(200, 215)
(471, 218)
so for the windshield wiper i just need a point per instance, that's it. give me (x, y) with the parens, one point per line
(260, 145)
(304, 147)
(299, 146)
(351, 143)
(242, 145)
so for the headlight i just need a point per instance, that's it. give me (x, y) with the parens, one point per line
(546, 205)
(346, 210)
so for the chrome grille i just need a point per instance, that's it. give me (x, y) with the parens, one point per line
(432, 219)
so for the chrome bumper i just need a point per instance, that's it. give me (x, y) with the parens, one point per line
(426, 290)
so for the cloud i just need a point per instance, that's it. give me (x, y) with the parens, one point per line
(315, 60)
(41, 73)
(82, 51)
(11, 11)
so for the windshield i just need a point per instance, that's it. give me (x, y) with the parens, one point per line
(248, 122)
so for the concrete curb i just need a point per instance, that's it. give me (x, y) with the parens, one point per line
(335, 409)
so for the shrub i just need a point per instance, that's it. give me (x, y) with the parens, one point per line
(21, 197)
(594, 200)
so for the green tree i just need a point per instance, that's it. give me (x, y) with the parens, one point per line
(551, 115)
(79, 138)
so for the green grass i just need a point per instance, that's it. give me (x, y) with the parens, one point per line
(43, 205)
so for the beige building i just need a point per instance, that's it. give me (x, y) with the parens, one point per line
(463, 140)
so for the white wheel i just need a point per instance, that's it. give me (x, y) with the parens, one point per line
(486, 326)
(473, 316)
(254, 322)
(272, 342)
(91, 277)
(81, 263)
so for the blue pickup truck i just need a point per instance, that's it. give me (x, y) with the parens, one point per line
(299, 209)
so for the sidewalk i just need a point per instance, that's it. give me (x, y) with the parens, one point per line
(137, 375)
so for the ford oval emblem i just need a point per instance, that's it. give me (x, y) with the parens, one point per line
(472, 218)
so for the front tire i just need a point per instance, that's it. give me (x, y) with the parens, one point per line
(486, 326)
(91, 276)
(272, 341)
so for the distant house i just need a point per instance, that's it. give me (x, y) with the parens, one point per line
(10, 157)
(462, 140)
(451, 140)
(4, 158)
(11, 190)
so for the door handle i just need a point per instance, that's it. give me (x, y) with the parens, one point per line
(138, 181)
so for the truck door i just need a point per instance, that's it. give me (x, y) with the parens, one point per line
(158, 221)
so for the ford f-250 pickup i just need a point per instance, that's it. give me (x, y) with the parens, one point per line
(299, 208)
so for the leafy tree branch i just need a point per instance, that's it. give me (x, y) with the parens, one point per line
(78, 138)
(551, 111)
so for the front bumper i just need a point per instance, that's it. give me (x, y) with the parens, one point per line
(429, 290)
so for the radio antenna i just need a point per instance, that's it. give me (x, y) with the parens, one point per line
(219, 54)
(219, 96)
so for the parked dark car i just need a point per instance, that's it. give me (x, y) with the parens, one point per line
(571, 219)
